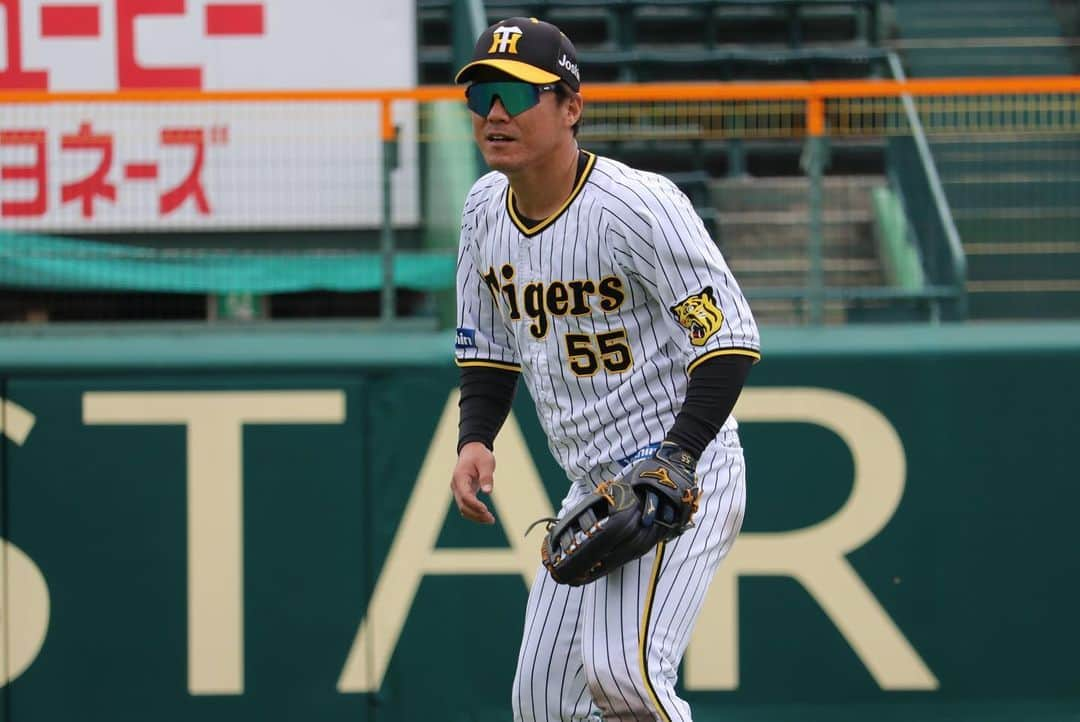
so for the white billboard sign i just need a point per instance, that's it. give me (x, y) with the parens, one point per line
(208, 165)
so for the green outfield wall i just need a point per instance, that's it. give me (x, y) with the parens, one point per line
(255, 524)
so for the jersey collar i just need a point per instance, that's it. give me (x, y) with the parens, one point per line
(526, 230)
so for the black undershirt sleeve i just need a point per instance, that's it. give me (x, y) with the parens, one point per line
(486, 396)
(710, 396)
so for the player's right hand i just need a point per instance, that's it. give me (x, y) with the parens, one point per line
(474, 472)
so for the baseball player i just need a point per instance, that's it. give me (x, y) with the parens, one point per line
(599, 285)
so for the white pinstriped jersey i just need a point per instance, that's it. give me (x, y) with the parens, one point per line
(604, 307)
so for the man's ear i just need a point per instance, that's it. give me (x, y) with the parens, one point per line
(574, 105)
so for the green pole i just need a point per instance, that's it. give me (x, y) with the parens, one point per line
(389, 163)
(813, 163)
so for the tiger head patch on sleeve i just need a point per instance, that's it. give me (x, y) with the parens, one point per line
(699, 315)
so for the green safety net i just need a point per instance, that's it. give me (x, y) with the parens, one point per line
(47, 262)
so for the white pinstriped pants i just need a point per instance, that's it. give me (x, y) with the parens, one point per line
(610, 650)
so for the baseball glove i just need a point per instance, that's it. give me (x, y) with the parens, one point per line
(623, 519)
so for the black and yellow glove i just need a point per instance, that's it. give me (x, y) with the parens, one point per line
(623, 519)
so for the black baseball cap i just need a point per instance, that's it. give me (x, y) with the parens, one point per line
(528, 49)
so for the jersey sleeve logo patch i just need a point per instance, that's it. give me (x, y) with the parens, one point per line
(466, 338)
(699, 315)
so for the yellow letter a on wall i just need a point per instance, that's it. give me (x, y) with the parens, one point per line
(518, 498)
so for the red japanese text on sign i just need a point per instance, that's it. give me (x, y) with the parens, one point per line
(62, 21)
(191, 186)
(95, 184)
(100, 185)
(37, 172)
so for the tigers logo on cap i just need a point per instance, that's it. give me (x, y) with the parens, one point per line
(505, 40)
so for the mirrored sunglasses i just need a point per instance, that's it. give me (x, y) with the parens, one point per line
(516, 97)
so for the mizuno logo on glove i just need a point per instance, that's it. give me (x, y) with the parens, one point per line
(661, 475)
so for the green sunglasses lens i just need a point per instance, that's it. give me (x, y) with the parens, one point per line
(515, 97)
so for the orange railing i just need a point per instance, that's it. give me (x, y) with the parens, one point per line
(813, 93)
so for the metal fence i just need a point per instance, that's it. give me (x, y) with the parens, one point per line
(834, 201)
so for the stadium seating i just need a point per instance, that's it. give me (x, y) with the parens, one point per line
(1015, 197)
(971, 38)
(642, 40)
(764, 221)
(1016, 202)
